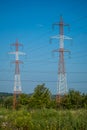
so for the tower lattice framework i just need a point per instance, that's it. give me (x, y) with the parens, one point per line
(17, 81)
(62, 79)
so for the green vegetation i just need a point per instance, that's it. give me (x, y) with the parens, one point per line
(42, 98)
(39, 111)
(43, 119)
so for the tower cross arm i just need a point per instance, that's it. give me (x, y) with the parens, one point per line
(66, 37)
(59, 37)
(55, 24)
(12, 52)
(55, 37)
(21, 53)
(17, 62)
(67, 26)
(16, 44)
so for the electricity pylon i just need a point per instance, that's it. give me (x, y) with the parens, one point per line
(62, 81)
(17, 82)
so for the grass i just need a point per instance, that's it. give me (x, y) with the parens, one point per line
(43, 119)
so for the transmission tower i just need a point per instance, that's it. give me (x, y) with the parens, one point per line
(62, 81)
(17, 82)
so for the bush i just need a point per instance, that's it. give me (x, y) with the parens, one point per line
(43, 119)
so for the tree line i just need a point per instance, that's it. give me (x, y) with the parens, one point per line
(42, 98)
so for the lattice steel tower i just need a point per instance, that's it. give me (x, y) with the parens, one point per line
(17, 82)
(62, 81)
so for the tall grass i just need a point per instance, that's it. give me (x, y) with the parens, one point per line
(43, 119)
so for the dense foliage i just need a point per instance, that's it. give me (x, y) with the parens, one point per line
(43, 119)
(42, 98)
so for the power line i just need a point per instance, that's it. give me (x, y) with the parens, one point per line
(40, 71)
(44, 81)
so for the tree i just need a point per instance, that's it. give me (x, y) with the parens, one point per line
(72, 100)
(8, 102)
(41, 97)
(23, 99)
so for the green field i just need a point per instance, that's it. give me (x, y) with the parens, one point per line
(43, 119)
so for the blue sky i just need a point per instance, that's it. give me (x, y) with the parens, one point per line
(31, 23)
